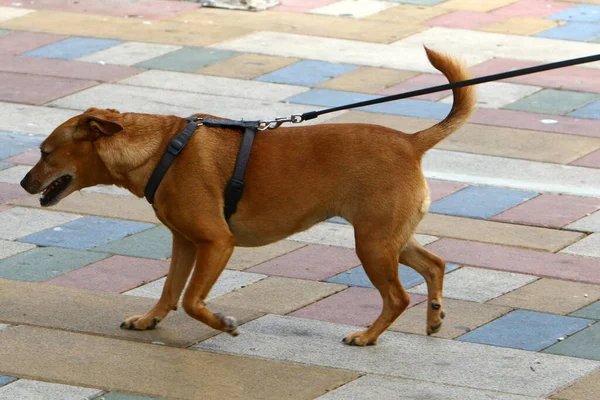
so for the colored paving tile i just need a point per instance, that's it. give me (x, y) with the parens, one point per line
(124, 396)
(550, 296)
(151, 243)
(15, 143)
(246, 257)
(9, 191)
(36, 89)
(357, 276)
(18, 222)
(583, 344)
(28, 389)
(420, 2)
(43, 263)
(439, 189)
(561, 266)
(4, 32)
(72, 48)
(129, 53)
(592, 160)
(550, 210)
(306, 73)
(461, 317)
(590, 223)
(353, 8)
(531, 8)
(464, 19)
(591, 111)
(585, 388)
(419, 82)
(17, 118)
(412, 108)
(477, 284)
(526, 26)
(498, 94)
(466, 364)
(85, 233)
(247, 66)
(592, 311)
(580, 13)
(301, 6)
(114, 274)
(408, 14)
(353, 306)
(187, 59)
(19, 42)
(6, 379)
(14, 174)
(587, 247)
(480, 202)
(9, 248)
(367, 80)
(526, 330)
(4, 165)
(474, 5)
(581, 31)
(551, 101)
(310, 262)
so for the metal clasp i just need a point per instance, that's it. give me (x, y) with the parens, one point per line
(276, 123)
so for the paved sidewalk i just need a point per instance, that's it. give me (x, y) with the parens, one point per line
(515, 212)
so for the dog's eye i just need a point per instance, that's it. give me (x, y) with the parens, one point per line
(44, 153)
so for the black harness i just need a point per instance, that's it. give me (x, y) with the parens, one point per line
(235, 187)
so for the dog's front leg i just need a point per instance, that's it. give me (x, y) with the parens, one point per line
(182, 261)
(211, 258)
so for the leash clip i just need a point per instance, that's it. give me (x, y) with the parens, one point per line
(276, 123)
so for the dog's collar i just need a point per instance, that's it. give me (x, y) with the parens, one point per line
(235, 187)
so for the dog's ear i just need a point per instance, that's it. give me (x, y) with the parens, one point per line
(91, 127)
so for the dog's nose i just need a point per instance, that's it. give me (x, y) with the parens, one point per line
(25, 182)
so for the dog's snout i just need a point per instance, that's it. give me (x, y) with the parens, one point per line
(26, 183)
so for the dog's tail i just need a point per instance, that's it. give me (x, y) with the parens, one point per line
(463, 106)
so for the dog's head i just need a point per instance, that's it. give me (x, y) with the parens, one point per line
(69, 158)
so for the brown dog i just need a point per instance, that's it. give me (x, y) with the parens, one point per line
(296, 177)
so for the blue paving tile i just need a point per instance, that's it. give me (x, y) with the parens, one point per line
(526, 330)
(591, 111)
(580, 13)
(357, 276)
(580, 31)
(6, 379)
(4, 165)
(306, 73)
(85, 233)
(480, 202)
(408, 107)
(152, 243)
(12, 143)
(72, 48)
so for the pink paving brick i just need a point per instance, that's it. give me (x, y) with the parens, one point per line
(592, 160)
(30, 157)
(533, 121)
(532, 8)
(115, 274)
(9, 191)
(464, 20)
(353, 306)
(20, 42)
(550, 210)
(66, 68)
(560, 266)
(569, 78)
(4, 207)
(35, 89)
(440, 189)
(301, 6)
(310, 262)
(420, 82)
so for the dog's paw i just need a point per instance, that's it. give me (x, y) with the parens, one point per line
(359, 338)
(140, 323)
(434, 318)
(230, 323)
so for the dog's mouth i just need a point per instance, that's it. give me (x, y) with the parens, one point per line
(51, 194)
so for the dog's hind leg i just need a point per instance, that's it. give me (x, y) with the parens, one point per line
(432, 268)
(182, 261)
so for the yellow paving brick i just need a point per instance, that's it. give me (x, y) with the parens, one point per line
(408, 14)
(159, 371)
(303, 24)
(367, 79)
(246, 257)
(580, 1)
(247, 66)
(475, 5)
(588, 387)
(520, 26)
(498, 233)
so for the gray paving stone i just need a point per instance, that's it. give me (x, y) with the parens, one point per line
(25, 389)
(383, 387)
(129, 53)
(588, 247)
(591, 223)
(151, 243)
(9, 248)
(583, 344)
(18, 222)
(187, 59)
(14, 174)
(4, 327)
(17, 118)
(123, 396)
(405, 356)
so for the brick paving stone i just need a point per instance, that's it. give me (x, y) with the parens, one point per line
(497, 233)
(550, 101)
(583, 344)
(477, 284)
(18, 222)
(590, 223)
(30, 158)
(36, 89)
(6, 379)
(246, 66)
(19, 42)
(15, 143)
(560, 266)
(186, 59)
(253, 378)
(421, 2)
(151, 243)
(532, 8)
(43, 263)
(129, 53)
(113, 274)
(550, 296)
(581, 13)
(353, 306)
(526, 330)
(357, 276)
(28, 389)
(10, 191)
(246, 257)
(424, 358)
(124, 396)
(17, 118)
(592, 160)
(300, 6)
(585, 388)
(526, 26)
(5, 165)
(419, 82)
(461, 317)
(440, 189)
(580, 31)
(310, 262)
(474, 5)
(278, 295)
(306, 73)
(499, 94)
(4, 32)
(464, 19)
(85, 233)
(480, 202)
(588, 247)
(591, 111)
(367, 80)
(7, 13)
(592, 311)
(405, 13)
(9, 248)
(72, 48)
(550, 210)
(354, 8)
